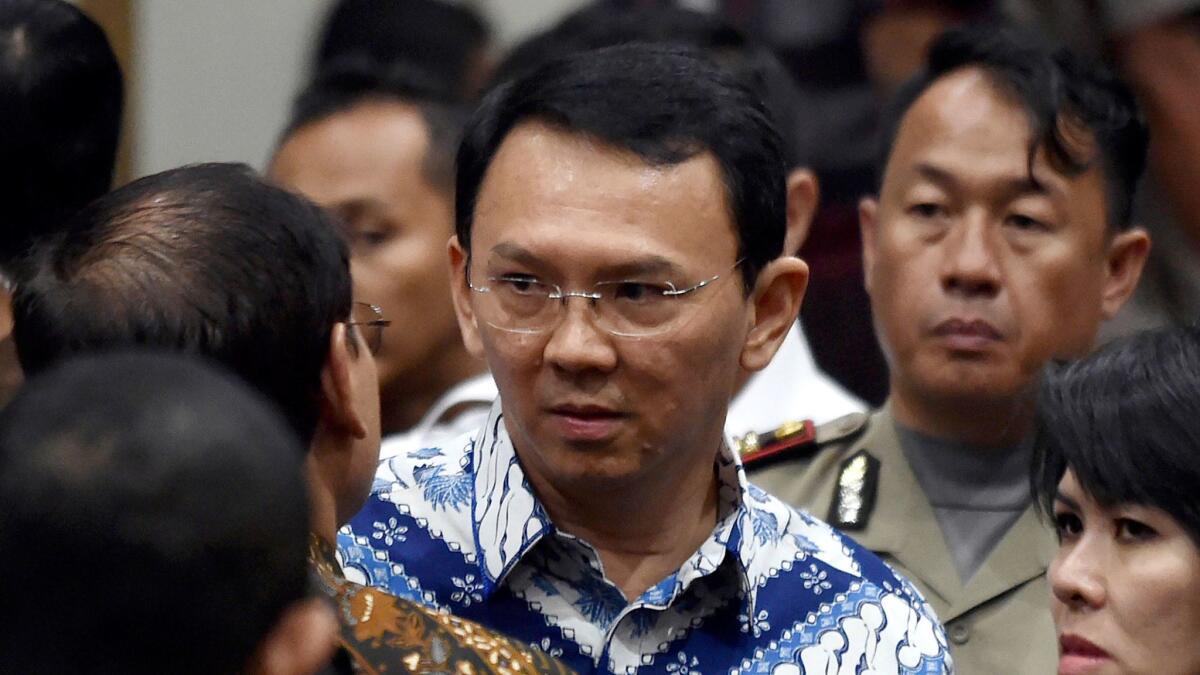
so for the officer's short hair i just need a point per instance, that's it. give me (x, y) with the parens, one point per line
(153, 518)
(206, 259)
(350, 82)
(1126, 422)
(666, 104)
(1052, 85)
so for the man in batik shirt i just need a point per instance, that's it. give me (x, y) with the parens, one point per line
(617, 261)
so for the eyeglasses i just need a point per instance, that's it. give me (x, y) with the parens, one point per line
(522, 303)
(369, 319)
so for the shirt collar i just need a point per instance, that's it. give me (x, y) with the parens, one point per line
(508, 519)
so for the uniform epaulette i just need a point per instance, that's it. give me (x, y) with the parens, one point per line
(796, 439)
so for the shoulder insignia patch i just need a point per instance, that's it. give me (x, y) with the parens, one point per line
(796, 439)
(854, 494)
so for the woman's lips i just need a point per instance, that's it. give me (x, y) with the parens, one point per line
(1078, 656)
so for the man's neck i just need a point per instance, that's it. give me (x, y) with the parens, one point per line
(984, 422)
(402, 405)
(643, 530)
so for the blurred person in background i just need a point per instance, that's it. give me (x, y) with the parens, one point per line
(214, 261)
(375, 146)
(449, 40)
(154, 516)
(61, 95)
(792, 392)
(1000, 238)
(1117, 468)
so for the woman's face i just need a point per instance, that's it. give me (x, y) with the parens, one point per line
(1126, 588)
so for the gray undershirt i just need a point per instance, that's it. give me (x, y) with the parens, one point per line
(976, 493)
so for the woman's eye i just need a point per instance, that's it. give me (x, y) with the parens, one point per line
(1132, 529)
(1067, 524)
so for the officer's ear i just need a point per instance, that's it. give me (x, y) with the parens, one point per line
(460, 293)
(777, 296)
(868, 210)
(1126, 257)
(802, 199)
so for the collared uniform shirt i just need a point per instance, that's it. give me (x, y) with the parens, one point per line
(790, 385)
(771, 591)
(999, 620)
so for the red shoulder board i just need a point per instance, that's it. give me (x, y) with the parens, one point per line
(755, 448)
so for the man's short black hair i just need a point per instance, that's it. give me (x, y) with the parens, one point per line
(666, 104)
(153, 517)
(440, 37)
(207, 259)
(350, 82)
(603, 25)
(1059, 92)
(60, 116)
(1126, 422)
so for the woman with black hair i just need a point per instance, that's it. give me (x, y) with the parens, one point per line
(1118, 466)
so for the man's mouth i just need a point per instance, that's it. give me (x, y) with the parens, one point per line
(967, 335)
(585, 422)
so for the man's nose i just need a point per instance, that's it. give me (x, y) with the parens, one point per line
(1077, 577)
(970, 267)
(576, 343)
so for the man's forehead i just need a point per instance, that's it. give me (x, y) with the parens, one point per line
(965, 122)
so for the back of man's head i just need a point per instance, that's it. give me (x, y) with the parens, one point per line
(60, 116)
(206, 259)
(153, 517)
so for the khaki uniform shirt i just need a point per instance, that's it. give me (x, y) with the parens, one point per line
(997, 622)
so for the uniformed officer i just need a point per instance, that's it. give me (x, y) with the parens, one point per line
(999, 240)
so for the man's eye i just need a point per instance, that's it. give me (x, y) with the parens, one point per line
(370, 237)
(1022, 222)
(1067, 525)
(926, 210)
(636, 291)
(1132, 529)
(517, 283)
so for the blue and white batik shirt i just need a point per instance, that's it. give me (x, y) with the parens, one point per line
(772, 591)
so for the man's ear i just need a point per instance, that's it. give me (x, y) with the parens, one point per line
(460, 292)
(302, 642)
(777, 297)
(803, 196)
(339, 403)
(1127, 253)
(868, 210)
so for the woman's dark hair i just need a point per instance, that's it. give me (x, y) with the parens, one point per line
(1059, 92)
(1126, 422)
(60, 116)
(666, 104)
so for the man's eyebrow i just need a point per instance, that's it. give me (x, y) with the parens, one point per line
(648, 264)
(1012, 187)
